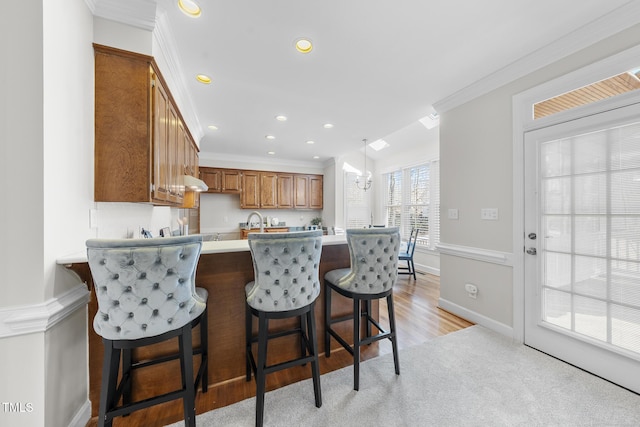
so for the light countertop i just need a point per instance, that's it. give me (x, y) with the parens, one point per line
(210, 247)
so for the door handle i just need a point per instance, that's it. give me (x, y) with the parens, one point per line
(532, 236)
(532, 251)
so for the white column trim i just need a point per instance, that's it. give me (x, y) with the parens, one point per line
(478, 254)
(41, 317)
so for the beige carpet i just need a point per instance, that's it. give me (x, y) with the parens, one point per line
(472, 377)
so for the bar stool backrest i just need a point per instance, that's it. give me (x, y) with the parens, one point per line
(374, 260)
(144, 287)
(286, 270)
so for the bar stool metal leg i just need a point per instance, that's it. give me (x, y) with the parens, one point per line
(356, 343)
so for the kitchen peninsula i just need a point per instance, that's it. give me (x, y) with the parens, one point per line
(224, 268)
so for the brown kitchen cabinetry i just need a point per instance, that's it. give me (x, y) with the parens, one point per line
(285, 191)
(268, 190)
(220, 180)
(244, 232)
(259, 190)
(316, 192)
(265, 189)
(250, 195)
(308, 192)
(140, 137)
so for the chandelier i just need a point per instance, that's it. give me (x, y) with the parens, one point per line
(367, 182)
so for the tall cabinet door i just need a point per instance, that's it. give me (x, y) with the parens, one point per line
(285, 191)
(174, 195)
(160, 120)
(268, 190)
(300, 196)
(250, 196)
(315, 192)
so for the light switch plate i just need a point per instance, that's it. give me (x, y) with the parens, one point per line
(452, 214)
(490, 214)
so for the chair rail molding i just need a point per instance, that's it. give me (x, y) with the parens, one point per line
(41, 317)
(478, 254)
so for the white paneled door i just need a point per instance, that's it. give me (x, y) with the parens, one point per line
(582, 243)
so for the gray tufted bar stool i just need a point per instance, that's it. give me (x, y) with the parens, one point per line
(373, 272)
(146, 294)
(286, 284)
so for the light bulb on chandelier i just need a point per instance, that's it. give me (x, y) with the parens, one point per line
(367, 182)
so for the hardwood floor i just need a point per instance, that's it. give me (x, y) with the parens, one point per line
(418, 320)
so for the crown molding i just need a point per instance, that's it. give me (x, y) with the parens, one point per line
(587, 35)
(137, 13)
(164, 39)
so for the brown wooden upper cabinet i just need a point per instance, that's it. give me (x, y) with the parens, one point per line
(221, 180)
(277, 190)
(308, 192)
(285, 191)
(259, 190)
(142, 147)
(250, 196)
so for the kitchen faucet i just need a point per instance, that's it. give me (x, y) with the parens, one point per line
(261, 221)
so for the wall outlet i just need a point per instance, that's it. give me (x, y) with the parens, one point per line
(472, 290)
(452, 213)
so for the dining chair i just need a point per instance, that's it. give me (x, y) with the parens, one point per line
(286, 284)
(373, 272)
(406, 254)
(146, 294)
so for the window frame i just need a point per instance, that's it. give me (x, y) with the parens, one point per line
(400, 204)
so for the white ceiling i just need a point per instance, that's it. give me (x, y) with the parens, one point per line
(377, 65)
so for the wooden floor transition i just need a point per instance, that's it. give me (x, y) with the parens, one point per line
(418, 320)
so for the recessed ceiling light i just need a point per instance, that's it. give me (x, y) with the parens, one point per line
(311, 142)
(213, 127)
(270, 137)
(304, 45)
(327, 126)
(316, 157)
(281, 118)
(271, 153)
(203, 79)
(189, 8)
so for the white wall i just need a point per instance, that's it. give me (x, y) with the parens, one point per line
(221, 213)
(476, 172)
(47, 147)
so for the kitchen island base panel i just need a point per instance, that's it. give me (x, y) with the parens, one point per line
(224, 275)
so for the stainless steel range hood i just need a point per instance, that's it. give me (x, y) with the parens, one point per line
(192, 183)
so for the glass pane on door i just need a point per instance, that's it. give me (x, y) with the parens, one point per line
(590, 228)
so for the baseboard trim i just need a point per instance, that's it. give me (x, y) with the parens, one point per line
(83, 415)
(478, 254)
(476, 318)
(426, 269)
(41, 317)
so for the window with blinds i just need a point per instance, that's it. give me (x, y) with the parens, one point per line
(357, 206)
(412, 200)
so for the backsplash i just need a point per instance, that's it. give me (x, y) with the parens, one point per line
(126, 220)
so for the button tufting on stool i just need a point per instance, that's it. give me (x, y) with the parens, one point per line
(275, 294)
(371, 276)
(145, 289)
